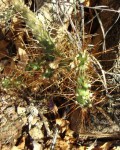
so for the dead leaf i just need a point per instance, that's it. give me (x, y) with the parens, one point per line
(53, 107)
(9, 68)
(106, 146)
(87, 3)
(62, 145)
(82, 148)
(15, 148)
(3, 44)
(116, 148)
(69, 136)
(4, 147)
(21, 146)
(23, 57)
(3, 49)
(63, 124)
(92, 146)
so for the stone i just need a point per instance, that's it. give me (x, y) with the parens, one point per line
(36, 134)
(21, 110)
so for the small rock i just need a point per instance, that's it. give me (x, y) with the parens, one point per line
(5, 97)
(36, 134)
(39, 125)
(14, 116)
(34, 121)
(33, 110)
(37, 146)
(21, 110)
(10, 110)
(115, 128)
(3, 121)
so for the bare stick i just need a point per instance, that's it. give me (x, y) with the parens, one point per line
(102, 29)
(103, 9)
(102, 71)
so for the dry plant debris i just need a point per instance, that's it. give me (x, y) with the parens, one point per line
(56, 92)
